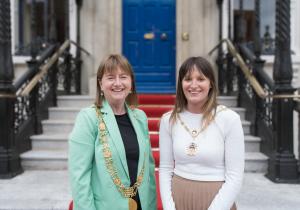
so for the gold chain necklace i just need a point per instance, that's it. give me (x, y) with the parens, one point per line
(127, 192)
(192, 149)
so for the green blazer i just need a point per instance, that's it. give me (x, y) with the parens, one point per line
(91, 184)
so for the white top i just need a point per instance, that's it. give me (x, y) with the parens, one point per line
(220, 155)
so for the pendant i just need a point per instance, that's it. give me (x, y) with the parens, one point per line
(194, 133)
(132, 204)
(192, 149)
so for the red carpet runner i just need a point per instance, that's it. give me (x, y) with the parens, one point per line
(154, 106)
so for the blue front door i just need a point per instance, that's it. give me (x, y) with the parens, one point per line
(149, 43)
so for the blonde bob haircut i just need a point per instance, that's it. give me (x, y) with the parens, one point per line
(209, 108)
(110, 64)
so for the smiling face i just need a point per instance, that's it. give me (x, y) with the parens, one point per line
(195, 87)
(116, 85)
(113, 75)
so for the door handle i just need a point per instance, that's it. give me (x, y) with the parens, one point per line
(149, 36)
(163, 36)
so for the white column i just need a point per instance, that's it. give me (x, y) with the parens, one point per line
(225, 19)
(295, 29)
(72, 24)
(14, 11)
(295, 47)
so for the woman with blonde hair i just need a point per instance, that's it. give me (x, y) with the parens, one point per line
(201, 145)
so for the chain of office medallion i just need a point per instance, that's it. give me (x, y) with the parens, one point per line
(222, 108)
(127, 192)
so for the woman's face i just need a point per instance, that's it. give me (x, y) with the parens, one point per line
(195, 87)
(116, 86)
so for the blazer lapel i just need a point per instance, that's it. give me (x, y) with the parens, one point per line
(114, 133)
(140, 136)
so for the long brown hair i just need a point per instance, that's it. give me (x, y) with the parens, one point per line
(209, 108)
(110, 64)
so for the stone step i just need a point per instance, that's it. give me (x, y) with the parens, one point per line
(69, 113)
(58, 160)
(252, 143)
(50, 142)
(256, 162)
(57, 126)
(66, 126)
(86, 100)
(60, 142)
(44, 160)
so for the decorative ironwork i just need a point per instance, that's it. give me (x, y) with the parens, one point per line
(265, 112)
(68, 71)
(44, 87)
(268, 43)
(23, 111)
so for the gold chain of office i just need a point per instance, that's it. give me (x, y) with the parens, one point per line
(127, 192)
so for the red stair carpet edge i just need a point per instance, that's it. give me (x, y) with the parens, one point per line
(164, 99)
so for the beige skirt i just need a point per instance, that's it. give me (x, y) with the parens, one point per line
(194, 195)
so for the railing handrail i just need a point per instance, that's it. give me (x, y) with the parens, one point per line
(31, 71)
(37, 75)
(249, 76)
(80, 48)
(44, 69)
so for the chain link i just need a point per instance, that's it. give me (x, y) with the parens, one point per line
(127, 192)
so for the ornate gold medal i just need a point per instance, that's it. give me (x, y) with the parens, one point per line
(132, 204)
(191, 150)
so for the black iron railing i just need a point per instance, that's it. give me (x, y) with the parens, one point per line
(53, 72)
(260, 95)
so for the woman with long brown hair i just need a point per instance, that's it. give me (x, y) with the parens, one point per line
(201, 145)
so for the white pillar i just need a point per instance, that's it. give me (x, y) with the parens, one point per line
(72, 24)
(295, 29)
(14, 18)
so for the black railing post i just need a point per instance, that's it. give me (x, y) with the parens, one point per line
(10, 165)
(239, 38)
(78, 61)
(230, 68)
(220, 60)
(33, 64)
(67, 55)
(282, 163)
(34, 99)
(258, 63)
(54, 82)
(68, 73)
